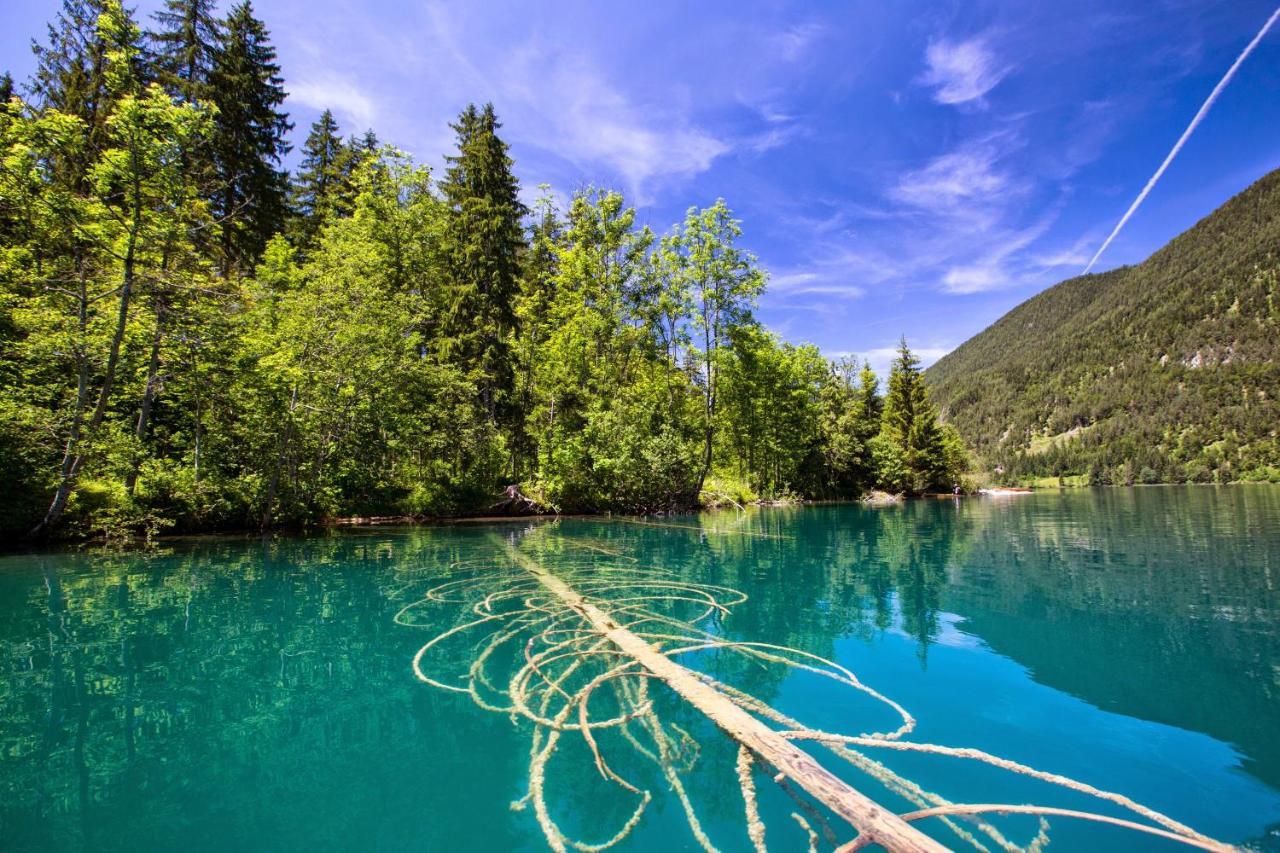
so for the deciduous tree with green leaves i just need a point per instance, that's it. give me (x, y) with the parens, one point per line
(134, 207)
(723, 283)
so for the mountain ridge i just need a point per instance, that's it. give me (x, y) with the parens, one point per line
(1163, 371)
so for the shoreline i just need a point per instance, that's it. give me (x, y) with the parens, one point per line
(873, 500)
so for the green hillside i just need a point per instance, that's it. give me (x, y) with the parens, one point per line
(1167, 371)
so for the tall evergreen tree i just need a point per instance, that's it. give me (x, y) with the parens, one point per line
(313, 191)
(6, 88)
(368, 142)
(484, 243)
(249, 139)
(71, 75)
(869, 403)
(909, 423)
(185, 47)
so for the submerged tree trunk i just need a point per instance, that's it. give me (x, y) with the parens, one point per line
(875, 824)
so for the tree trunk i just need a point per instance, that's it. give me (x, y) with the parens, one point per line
(872, 821)
(148, 396)
(709, 398)
(72, 449)
(74, 456)
(282, 448)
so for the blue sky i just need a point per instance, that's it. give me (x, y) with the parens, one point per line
(900, 168)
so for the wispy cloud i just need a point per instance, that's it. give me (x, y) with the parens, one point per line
(827, 280)
(355, 110)
(958, 178)
(962, 199)
(582, 117)
(774, 137)
(997, 265)
(976, 278)
(793, 42)
(837, 270)
(1073, 255)
(962, 72)
(881, 358)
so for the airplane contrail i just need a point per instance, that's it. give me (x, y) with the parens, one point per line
(1204, 108)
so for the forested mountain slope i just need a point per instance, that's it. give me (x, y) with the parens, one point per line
(1161, 372)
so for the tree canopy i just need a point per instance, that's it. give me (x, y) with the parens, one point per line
(192, 341)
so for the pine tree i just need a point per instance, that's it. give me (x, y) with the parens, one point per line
(484, 243)
(71, 76)
(6, 88)
(314, 189)
(249, 139)
(909, 423)
(869, 404)
(185, 48)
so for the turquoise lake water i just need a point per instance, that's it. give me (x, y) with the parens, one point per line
(231, 694)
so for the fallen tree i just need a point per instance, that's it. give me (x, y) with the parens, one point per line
(591, 626)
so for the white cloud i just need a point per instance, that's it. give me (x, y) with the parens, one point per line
(1075, 255)
(974, 279)
(355, 110)
(835, 271)
(848, 291)
(964, 208)
(576, 113)
(991, 270)
(962, 72)
(774, 137)
(793, 42)
(793, 280)
(958, 178)
(881, 358)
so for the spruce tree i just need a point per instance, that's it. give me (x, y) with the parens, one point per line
(185, 48)
(484, 244)
(249, 139)
(866, 423)
(368, 142)
(910, 423)
(869, 404)
(71, 75)
(70, 69)
(313, 191)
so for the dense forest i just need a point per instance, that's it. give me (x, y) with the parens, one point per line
(1167, 371)
(194, 338)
